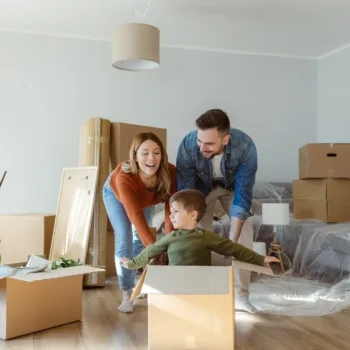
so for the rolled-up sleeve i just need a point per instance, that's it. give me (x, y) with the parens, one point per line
(244, 182)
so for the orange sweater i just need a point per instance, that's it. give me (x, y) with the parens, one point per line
(131, 191)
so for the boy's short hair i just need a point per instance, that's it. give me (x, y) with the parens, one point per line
(191, 200)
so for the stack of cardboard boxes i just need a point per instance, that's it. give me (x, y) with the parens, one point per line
(119, 137)
(323, 189)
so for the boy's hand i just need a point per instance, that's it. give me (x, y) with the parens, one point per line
(124, 262)
(270, 259)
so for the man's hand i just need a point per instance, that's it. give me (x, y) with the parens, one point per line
(236, 228)
(270, 259)
(124, 262)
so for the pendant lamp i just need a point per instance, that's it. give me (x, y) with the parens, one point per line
(135, 47)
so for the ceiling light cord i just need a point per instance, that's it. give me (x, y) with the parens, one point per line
(144, 14)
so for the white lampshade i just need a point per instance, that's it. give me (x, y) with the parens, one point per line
(135, 47)
(275, 213)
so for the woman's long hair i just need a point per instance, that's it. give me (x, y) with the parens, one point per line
(163, 175)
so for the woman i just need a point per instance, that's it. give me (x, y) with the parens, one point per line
(129, 194)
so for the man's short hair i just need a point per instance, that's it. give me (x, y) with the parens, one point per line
(191, 200)
(214, 118)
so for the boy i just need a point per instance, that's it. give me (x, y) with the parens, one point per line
(189, 245)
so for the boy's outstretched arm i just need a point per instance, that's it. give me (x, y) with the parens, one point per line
(146, 255)
(229, 248)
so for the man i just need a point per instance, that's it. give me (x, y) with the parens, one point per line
(221, 162)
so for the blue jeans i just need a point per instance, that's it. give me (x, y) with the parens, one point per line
(127, 241)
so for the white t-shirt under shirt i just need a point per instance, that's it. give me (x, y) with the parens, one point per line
(216, 163)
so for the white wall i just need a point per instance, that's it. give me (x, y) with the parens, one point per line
(334, 98)
(50, 86)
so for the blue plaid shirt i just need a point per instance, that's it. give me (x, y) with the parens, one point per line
(238, 165)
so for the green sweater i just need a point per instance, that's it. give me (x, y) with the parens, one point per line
(194, 247)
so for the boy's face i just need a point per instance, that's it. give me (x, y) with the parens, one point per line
(182, 219)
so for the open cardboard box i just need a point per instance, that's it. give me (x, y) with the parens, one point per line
(37, 301)
(192, 307)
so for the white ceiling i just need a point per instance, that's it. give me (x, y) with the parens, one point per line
(304, 28)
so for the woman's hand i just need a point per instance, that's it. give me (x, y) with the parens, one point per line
(124, 262)
(270, 259)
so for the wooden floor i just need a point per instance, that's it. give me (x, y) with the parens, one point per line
(105, 328)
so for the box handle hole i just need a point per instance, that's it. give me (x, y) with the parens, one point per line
(331, 154)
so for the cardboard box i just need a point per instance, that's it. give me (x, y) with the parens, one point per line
(22, 235)
(191, 307)
(324, 160)
(122, 135)
(322, 199)
(37, 301)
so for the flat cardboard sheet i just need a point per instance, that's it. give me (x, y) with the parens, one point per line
(250, 267)
(73, 219)
(24, 234)
(97, 154)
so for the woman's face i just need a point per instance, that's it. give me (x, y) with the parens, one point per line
(148, 157)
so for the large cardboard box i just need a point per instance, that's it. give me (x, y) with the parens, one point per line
(122, 135)
(322, 199)
(324, 160)
(191, 307)
(22, 235)
(37, 301)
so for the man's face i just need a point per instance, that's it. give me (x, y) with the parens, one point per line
(211, 142)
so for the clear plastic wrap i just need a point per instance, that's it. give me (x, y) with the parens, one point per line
(265, 192)
(293, 296)
(316, 256)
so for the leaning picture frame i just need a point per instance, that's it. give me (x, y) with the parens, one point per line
(74, 213)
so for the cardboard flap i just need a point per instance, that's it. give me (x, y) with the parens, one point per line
(251, 267)
(63, 272)
(138, 288)
(187, 280)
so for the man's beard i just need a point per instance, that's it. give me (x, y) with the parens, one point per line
(214, 154)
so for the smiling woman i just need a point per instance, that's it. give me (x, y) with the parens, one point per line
(129, 194)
